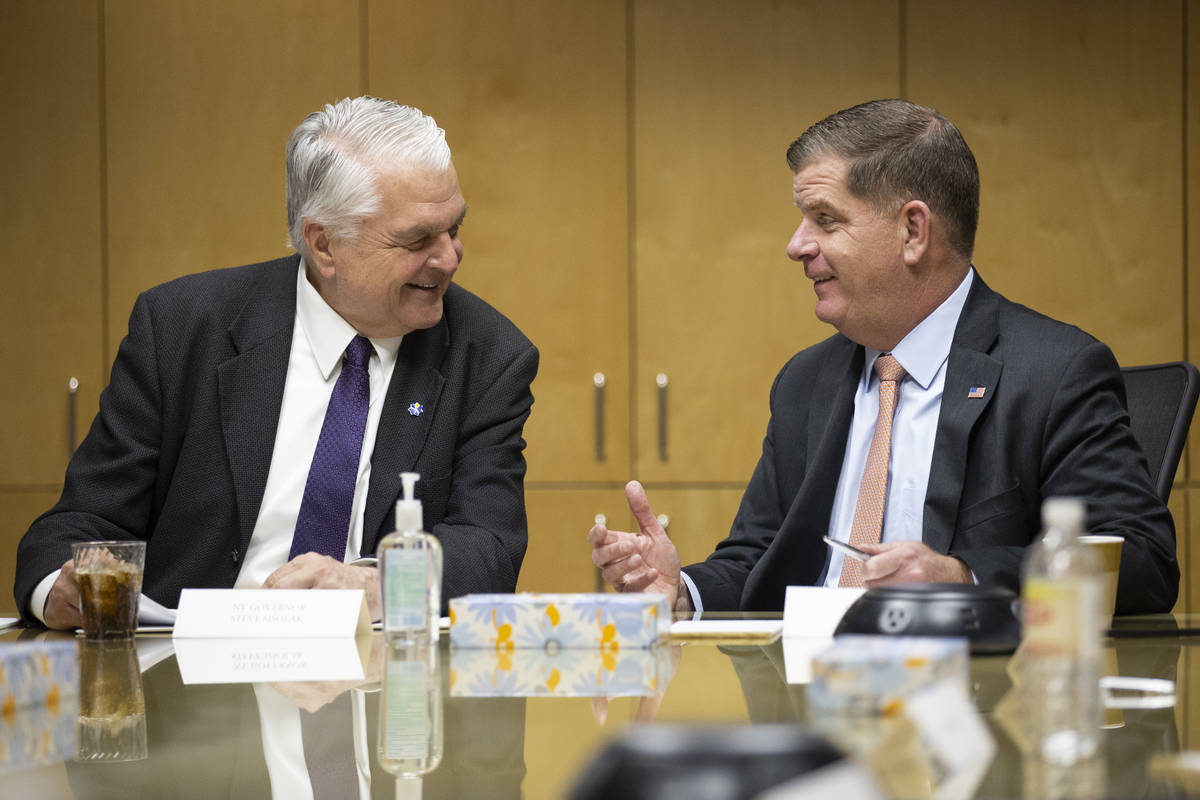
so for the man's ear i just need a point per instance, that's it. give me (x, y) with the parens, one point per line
(320, 244)
(916, 221)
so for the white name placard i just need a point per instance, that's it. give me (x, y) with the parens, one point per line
(271, 613)
(814, 611)
(810, 614)
(267, 660)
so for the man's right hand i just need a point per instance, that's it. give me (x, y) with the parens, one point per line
(62, 604)
(646, 561)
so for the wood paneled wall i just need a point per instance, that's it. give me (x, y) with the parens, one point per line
(629, 199)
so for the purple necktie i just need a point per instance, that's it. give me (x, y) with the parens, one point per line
(324, 518)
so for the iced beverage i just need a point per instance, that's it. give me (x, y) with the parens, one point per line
(109, 577)
(112, 708)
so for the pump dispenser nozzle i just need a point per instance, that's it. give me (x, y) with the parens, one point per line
(409, 515)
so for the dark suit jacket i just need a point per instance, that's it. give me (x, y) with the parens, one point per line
(1052, 422)
(180, 450)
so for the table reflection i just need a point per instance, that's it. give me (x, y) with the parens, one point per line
(238, 740)
(888, 746)
(441, 720)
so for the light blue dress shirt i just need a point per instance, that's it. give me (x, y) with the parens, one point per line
(923, 354)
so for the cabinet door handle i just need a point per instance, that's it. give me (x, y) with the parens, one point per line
(661, 380)
(598, 381)
(600, 519)
(72, 390)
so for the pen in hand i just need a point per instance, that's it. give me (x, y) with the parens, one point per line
(847, 549)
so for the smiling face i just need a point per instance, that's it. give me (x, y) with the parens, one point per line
(855, 256)
(389, 278)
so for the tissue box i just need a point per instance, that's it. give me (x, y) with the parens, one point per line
(873, 674)
(608, 623)
(567, 673)
(39, 703)
(37, 736)
(37, 674)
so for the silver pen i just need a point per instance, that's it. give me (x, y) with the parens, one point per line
(847, 549)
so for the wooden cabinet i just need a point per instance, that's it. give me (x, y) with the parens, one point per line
(1079, 154)
(719, 92)
(532, 94)
(50, 309)
(201, 98)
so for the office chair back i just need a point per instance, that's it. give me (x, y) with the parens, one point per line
(1161, 399)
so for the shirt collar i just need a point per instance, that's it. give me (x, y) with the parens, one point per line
(328, 334)
(927, 346)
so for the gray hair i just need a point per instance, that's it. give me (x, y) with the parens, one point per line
(900, 151)
(335, 156)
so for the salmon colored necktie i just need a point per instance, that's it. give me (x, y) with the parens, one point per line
(872, 492)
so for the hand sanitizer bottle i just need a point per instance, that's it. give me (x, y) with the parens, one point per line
(410, 571)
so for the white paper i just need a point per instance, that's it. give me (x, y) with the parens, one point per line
(763, 629)
(271, 613)
(151, 613)
(267, 660)
(798, 654)
(152, 649)
(8, 622)
(814, 611)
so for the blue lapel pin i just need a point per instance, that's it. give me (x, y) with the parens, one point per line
(415, 409)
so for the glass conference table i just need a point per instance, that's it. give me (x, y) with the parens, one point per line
(232, 739)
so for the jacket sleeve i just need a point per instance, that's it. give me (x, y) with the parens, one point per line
(1087, 450)
(109, 486)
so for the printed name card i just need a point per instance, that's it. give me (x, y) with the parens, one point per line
(268, 660)
(271, 613)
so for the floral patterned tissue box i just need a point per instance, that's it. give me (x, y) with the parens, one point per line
(39, 703)
(566, 673)
(605, 623)
(862, 674)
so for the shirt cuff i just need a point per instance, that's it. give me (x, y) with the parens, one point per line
(37, 601)
(695, 595)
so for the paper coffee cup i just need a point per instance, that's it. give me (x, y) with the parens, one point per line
(1108, 552)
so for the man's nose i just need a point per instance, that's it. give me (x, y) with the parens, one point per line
(802, 246)
(445, 253)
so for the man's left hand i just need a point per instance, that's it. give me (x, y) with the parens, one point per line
(911, 562)
(313, 571)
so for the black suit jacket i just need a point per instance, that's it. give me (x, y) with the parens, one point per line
(1052, 422)
(180, 450)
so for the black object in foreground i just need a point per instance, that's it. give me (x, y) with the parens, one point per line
(986, 615)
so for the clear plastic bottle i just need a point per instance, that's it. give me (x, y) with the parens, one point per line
(410, 573)
(410, 717)
(1060, 647)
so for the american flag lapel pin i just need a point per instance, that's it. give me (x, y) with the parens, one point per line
(976, 392)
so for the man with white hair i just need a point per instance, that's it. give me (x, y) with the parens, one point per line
(257, 419)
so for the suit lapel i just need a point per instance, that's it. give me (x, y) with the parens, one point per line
(402, 433)
(251, 385)
(969, 367)
(798, 544)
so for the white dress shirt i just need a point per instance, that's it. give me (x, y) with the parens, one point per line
(283, 744)
(923, 354)
(319, 340)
